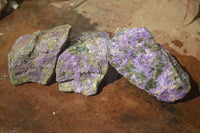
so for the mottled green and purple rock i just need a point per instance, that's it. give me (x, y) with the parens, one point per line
(33, 56)
(146, 64)
(82, 66)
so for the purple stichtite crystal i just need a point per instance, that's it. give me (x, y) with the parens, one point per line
(136, 56)
(33, 57)
(82, 66)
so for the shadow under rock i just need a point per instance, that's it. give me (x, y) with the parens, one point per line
(193, 93)
(66, 45)
(111, 76)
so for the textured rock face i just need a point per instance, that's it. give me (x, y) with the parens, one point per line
(146, 64)
(33, 57)
(83, 65)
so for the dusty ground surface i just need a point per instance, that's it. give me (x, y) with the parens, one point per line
(120, 107)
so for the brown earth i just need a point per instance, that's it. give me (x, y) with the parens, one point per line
(120, 107)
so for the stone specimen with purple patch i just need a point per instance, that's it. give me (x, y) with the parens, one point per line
(82, 66)
(33, 56)
(136, 56)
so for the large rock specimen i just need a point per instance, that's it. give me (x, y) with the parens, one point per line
(136, 56)
(33, 57)
(83, 65)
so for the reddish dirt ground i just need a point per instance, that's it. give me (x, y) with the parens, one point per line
(120, 107)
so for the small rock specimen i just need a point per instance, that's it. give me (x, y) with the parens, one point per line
(83, 65)
(136, 56)
(33, 57)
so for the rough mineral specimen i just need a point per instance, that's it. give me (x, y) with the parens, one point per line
(33, 57)
(136, 56)
(83, 65)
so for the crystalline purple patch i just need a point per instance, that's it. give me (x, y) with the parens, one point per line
(33, 57)
(83, 65)
(135, 54)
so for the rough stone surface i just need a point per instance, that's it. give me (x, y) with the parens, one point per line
(33, 56)
(83, 65)
(136, 56)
